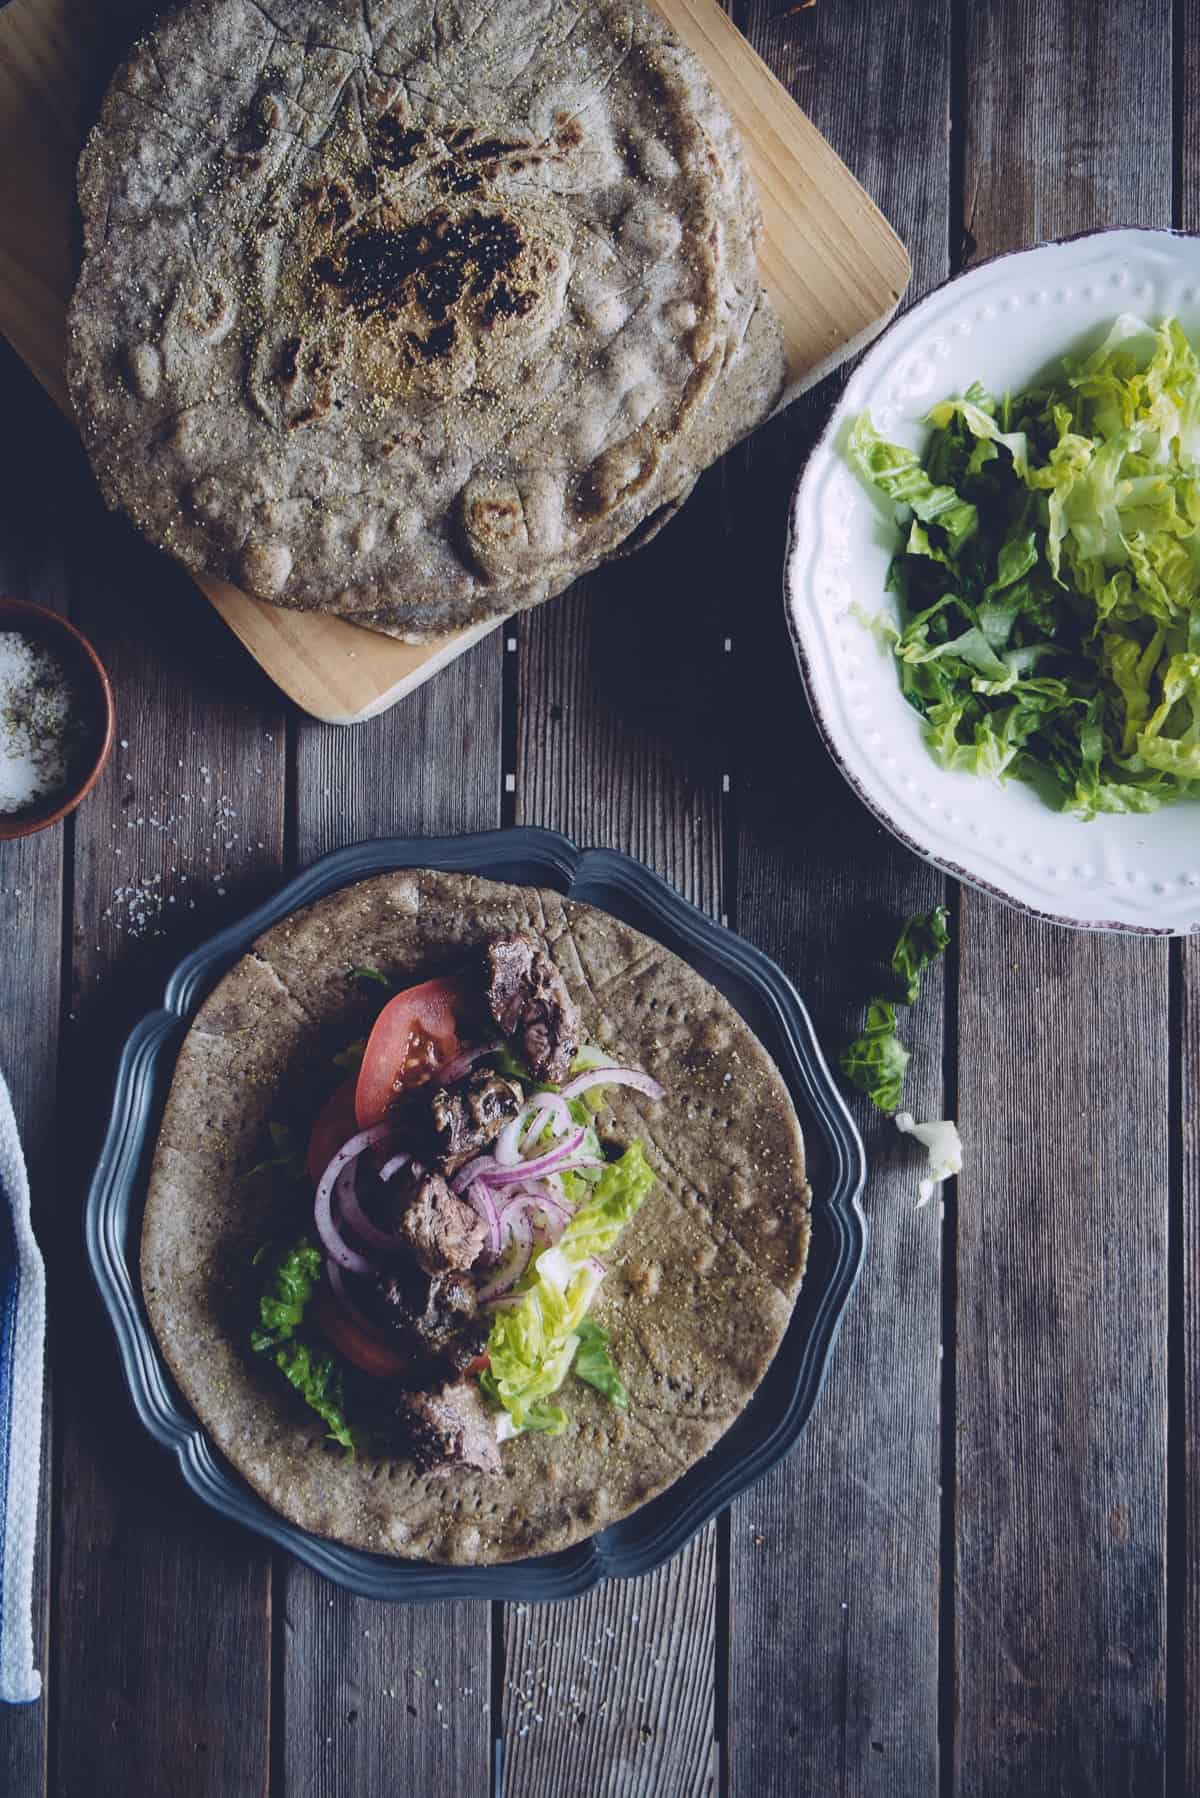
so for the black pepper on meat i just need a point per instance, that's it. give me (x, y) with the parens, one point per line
(465, 1117)
(444, 1233)
(428, 1315)
(529, 1000)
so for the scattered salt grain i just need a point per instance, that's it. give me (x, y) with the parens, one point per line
(39, 722)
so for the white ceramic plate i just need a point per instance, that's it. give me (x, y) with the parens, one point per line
(1001, 324)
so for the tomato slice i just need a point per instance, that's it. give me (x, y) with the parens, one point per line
(352, 1341)
(478, 1364)
(336, 1124)
(415, 1034)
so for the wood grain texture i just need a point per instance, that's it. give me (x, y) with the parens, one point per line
(612, 1695)
(1061, 1374)
(831, 295)
(833, 1655)
(621, 742)
(161, 1613)
(1183, 1766)
(31, 902)
(386, 1698)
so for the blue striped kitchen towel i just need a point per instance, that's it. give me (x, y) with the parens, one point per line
(22, 1362)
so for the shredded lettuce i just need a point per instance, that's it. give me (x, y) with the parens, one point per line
(285, 1298)
(533, 1343)
(318, 1379)
(1049, 575)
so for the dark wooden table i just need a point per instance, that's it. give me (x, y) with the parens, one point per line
(959, 1580)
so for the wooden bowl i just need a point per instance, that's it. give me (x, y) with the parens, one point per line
(96, 696)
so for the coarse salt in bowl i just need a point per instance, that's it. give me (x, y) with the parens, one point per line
(56, 718)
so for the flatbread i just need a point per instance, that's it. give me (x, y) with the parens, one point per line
(413, 313)
(700, 1289)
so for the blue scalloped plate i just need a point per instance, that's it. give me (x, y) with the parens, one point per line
(772, 1421)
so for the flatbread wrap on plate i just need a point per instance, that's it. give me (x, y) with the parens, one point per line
(475, 1218)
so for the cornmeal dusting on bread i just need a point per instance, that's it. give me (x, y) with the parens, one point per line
(414, 316)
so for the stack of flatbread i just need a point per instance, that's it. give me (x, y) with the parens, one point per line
(413, 312)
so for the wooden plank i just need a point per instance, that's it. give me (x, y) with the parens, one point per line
(31, 900)
(833, 266)
(832, 294)
(612, 1695)
(1062, 1245)
(391, 1698)
(161, 1613)
(620, 742)
(834, 1559)
(1183, 1690)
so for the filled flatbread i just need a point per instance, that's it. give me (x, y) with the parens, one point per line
(686, 1302)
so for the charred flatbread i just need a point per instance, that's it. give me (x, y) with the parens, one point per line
(699, 1292)
(413, 313)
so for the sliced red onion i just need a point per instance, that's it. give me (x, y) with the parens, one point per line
(503, 1177)
(541, 1164)
(552, 1102)
(503, 1301)
(480, 1200)
(536, 1196)
(642, 1083)
(546, 1216)
(327, 1230)
(488, 1170)
(516, 1259)
(393, 1165)
(351, 1213)
(462, 1064)
(516, 1133)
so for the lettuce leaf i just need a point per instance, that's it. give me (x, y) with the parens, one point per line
(898, 474)
(920, 942)
(876, 1061)
(594, 1363)
(318, 1379)
(285, 1298)
(621, 1188)
(315, 1373)
(1048, 577)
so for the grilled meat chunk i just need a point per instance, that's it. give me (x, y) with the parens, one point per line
(530, 1002)
(428, 1315)
(450, 1427)
(466, 1116)
(443, 1232)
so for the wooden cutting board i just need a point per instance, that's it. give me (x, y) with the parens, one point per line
(832, 264)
